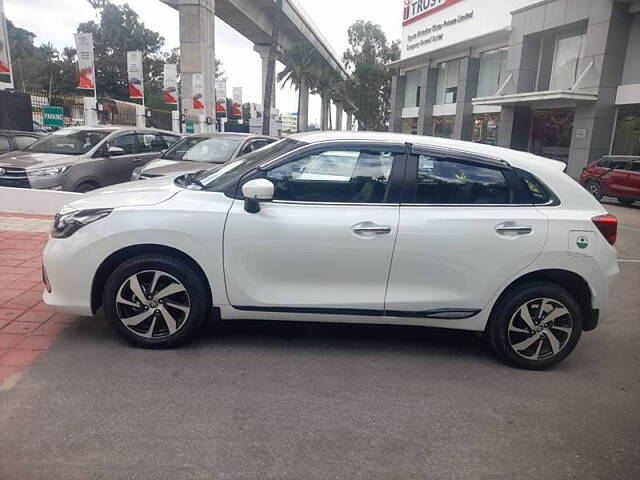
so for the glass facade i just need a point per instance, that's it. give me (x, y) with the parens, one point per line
(410, 125)
(492, 71)
(551, 132)
(626, 139)
(485, 128)
(566, 60)
(447, 88)
(443, 126)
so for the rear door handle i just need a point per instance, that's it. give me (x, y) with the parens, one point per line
(368, 227)
(510, 227)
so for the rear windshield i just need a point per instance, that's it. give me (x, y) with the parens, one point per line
(68, 142)
(203, 149)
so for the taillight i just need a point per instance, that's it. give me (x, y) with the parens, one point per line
(608, 226)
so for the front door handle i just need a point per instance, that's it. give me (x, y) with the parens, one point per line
(368, 227)
(137, 159)
(512, 228)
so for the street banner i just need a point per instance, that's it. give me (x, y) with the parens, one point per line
(84, 47)
(221, 98)
(6, 80)
(197, 87)
(135, 75)
(236, 105)
(170, 88)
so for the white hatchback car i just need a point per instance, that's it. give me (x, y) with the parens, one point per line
(346, 227)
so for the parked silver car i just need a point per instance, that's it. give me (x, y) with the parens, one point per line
(80, 159)
(199, 152)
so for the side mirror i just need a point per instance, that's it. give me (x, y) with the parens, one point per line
(114, 151)
(255, 191)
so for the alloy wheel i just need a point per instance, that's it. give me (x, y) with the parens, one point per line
(153, 304)
(594, 189)
(540, 329)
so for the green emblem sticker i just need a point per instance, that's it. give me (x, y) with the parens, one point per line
(582, 242)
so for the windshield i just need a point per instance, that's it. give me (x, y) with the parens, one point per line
(68, 142)
(204, 149)
(219, 179)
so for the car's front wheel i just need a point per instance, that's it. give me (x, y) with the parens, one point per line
(535, 326)
(595, 189)
(155, 301)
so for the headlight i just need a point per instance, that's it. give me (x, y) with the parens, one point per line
(136, 174)
(67, 223)
(48, 171)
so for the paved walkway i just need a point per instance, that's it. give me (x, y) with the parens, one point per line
(27, 326)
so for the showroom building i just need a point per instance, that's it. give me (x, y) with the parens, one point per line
(559, 78)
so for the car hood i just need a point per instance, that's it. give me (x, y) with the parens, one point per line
(163, 166)
(34, 159)
(130, 194)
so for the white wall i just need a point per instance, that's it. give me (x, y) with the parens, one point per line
(25, 200)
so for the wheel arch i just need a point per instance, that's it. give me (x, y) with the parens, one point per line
(119, 256)
(574, 283)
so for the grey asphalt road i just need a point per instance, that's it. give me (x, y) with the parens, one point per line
(299, 401)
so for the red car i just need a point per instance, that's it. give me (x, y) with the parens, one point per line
(613, 176)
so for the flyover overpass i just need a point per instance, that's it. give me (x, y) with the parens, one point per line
(254, 20)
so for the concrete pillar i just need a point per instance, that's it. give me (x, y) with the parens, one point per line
(349, 120)
(303, 107)
(263, 51)
(428, 88)
(197, 52)
(325, 111)
(398, 85)
(467, 88)
(339, 111)
(605, 43)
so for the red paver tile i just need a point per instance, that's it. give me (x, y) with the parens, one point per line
(25, 300)
(17, 327)
(3, 323)
(49, 328)
(37, 316)
(19, 358)
(7, 372)
(41, 306)
(9, 293)
(37, 342)
(10, 313)
(10, 262)
(3, 351)
(9, 340)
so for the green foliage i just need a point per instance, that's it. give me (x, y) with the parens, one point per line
(369, 84)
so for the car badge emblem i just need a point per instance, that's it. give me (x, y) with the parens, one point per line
(582, 242)
(2, 171)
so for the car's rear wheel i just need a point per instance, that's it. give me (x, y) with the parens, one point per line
(535, 326)
(86, 187)
(626, 201)
(155, 301)
(595, 189)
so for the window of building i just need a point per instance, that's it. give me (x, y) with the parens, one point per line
(412, 88)
(626, 140)
(449, 181)
(485, 128)
(334, 176)
(492, 72)
(443, 126)
(447, 88)
(566, 60)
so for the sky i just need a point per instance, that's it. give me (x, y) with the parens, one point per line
(55, 21)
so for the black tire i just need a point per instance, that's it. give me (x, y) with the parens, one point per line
(626, 201)
(507, 314)
(187, 323)
(86, 187)
(595, 189)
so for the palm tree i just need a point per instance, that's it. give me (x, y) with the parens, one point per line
(271, 69)
(301, 72)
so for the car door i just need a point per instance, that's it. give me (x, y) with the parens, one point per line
(634, 180)
(118, 168)
(151, 146)
(616, 178)
(323, 245)
(464, 231)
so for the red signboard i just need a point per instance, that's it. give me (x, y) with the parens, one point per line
(416, 9)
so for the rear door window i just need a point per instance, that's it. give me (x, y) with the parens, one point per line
(127, 143)
(5, 145)
(635, 167)
(444, 181)
(619, 164)
(23, 141)
(151, 142)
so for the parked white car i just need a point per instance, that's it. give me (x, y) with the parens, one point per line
(384, 228)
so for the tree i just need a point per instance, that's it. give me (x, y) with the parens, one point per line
(301, 71)
(271, 68)
(369, 83)
(120, 30)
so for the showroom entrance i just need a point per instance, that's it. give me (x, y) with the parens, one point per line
(551, 131)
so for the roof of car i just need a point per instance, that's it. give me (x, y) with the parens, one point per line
(523, 159)
(232, 135)
(18, 132)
